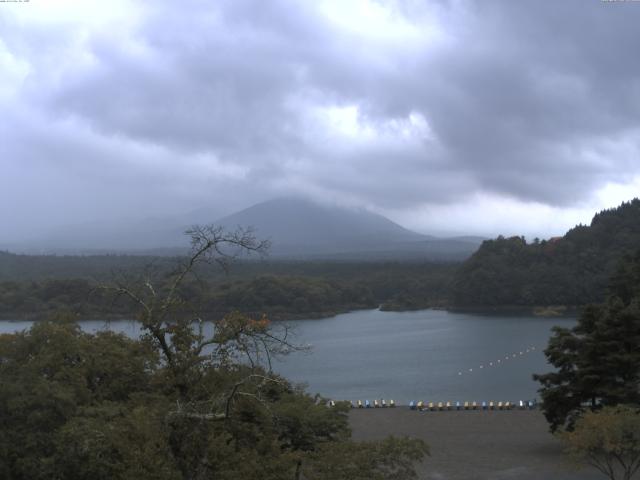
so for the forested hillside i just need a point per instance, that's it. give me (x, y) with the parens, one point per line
(282, 290)
(571, 270)
(38, 267)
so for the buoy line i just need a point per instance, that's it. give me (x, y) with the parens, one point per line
(500, 361)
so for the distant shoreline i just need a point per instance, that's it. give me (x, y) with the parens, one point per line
(538, 311)
(559, 311)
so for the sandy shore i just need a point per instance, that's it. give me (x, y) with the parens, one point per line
(476, 445)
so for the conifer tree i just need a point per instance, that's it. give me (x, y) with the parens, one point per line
(597, 361)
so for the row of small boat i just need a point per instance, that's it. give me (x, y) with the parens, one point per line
(367, 404)
(376, 404)
(439, 406)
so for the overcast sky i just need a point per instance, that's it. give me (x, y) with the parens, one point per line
(479, 117)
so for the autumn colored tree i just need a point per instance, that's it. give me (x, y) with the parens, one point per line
(608, 440)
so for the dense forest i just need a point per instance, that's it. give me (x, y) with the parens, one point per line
(37, 286)
(570, 270)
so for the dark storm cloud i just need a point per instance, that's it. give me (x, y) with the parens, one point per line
(536, 101)
(541, 90)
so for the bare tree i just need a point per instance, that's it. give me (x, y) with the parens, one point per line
(177, 330)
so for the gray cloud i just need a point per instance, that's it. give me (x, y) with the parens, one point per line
(234, 103)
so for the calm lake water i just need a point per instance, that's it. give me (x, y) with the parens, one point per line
(429, 355)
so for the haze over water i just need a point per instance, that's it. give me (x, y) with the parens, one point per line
(408, 355)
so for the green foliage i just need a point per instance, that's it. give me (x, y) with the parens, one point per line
(597, 361)
(572, 270)
(608, 440)
(292, 290)
(49, 375)
(392, 458)
(279, 296)
(76, 405)
(175, 404)
(114, 441)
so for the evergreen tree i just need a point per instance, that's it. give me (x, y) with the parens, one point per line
(572, 270)
(597, 361)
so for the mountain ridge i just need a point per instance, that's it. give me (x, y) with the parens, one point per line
(297, 228)
(294, 221)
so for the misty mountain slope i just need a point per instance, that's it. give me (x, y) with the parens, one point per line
(293, 223)
(297, 228)
(303, 229)
(153, 235)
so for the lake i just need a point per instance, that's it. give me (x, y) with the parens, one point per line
(430, 355)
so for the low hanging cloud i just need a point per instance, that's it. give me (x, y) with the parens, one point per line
(399, 106)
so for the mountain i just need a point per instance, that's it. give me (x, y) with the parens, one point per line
(297, 229)
(296, 222)
(304, 229)
(570, 270)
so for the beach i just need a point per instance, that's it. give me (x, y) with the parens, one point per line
(476, 445)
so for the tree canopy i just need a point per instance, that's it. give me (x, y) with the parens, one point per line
(178, 403)
(570, 270)
(608, 440)
(598, 361)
